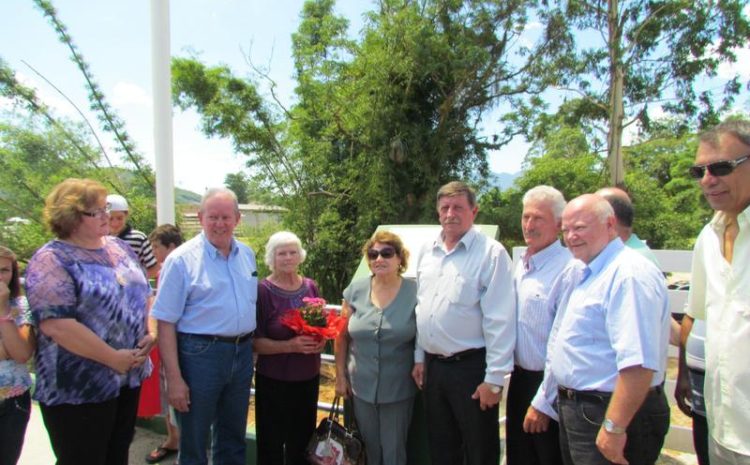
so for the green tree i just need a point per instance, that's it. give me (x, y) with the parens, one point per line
(107, 115)
(669, 207)
(629, 55)
(380, 122)
(238, 183)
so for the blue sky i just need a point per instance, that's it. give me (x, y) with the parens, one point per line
(114, 38)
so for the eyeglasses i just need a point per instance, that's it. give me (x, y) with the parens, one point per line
(98, 213)
(386, 252)
(719, 168)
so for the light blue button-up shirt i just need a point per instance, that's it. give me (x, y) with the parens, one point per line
(203, 292)
(615, 315)
(537, 302)
(465, 300)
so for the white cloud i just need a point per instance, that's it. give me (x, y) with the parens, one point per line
(126, 93)
(739, 67)
(48, 95)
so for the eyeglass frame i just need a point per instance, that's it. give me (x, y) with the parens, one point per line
(373, 254)
(710, 167)
(98, 213)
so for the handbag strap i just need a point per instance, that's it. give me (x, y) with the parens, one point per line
(333, 415)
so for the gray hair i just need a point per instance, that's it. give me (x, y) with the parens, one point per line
(217, 191)
(279, 239)
(735, 127)
(548, 195)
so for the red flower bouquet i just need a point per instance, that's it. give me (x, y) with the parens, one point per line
(314, 319)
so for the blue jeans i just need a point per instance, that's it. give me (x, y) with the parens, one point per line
(582, 417)
(219, 375)
(14, 416)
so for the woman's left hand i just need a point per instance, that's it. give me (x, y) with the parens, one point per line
(144, 347)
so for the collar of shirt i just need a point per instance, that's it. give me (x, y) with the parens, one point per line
(600, 261)
(538, 260)
(467, 239)
(213, 252)
(719, 221)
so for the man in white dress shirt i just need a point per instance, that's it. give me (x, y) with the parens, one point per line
(720, 288)
(466, 333)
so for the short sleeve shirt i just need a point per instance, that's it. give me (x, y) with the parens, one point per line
(103, 289)
(14, 376)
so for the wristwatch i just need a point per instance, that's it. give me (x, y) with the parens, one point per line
(495, 389)
(610, 427)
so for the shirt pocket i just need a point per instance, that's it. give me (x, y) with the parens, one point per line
(464, 290)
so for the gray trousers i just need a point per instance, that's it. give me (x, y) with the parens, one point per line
(385, 429)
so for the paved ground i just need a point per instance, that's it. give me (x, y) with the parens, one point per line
(37, 450)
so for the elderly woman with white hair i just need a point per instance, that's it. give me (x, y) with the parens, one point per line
(288, 368)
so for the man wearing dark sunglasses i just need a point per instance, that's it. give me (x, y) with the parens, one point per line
(720, 288)
(466, 333)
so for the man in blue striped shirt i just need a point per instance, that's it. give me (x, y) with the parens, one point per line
(536, 305)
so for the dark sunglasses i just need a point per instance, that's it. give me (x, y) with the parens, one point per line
(386, 252)
(719, 168)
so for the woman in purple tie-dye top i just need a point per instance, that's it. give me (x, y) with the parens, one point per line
(88, 292)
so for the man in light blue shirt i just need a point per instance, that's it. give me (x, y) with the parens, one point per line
(466, 333)
(608, 350)
(206, 315)
(534, 277)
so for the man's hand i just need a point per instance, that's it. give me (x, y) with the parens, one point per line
(535, 421)
(612, 446)
(683, 393)
(486, 398)
(178, 394)
(418, 374)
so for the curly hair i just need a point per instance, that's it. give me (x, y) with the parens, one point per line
(66, 201)
(389, 238)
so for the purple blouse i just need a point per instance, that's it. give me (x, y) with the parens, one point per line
(103, 289)
(273, 302)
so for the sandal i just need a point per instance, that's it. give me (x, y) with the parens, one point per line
(159, 454)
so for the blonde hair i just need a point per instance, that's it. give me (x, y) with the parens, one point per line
(456, 188)
(66, 201)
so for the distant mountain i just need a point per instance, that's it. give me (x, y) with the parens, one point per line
(182, 196)
(502, 180)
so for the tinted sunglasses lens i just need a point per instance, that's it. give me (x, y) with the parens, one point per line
(720, 168)
(696, 172)
(387, 253)
(372, 254)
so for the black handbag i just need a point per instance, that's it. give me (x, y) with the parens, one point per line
(333, 444)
